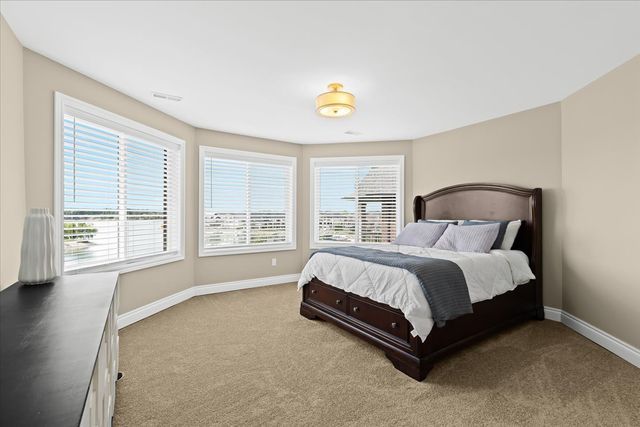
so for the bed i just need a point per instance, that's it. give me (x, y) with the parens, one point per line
(413, 352)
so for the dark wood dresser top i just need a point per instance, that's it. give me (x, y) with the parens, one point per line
(49, 340)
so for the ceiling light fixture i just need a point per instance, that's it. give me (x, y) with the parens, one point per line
(166, 96)
(335, 103)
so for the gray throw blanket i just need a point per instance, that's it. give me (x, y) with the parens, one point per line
(442, 281)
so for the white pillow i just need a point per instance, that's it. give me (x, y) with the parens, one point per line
(510, 234)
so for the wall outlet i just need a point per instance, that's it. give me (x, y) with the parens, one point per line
(274, 262)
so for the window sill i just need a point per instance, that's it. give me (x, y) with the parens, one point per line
(130, 266)
(203, 253)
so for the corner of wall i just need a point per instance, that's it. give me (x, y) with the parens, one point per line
(519, 149)
(599, 162)
(12, 156)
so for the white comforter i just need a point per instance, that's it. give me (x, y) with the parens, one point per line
(487, 275)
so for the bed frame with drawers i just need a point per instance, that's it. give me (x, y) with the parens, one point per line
(387, 328)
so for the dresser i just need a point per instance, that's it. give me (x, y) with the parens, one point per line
(59, 352)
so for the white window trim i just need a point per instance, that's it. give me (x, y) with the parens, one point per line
(364, 160)
(245, 249)
(63, 102)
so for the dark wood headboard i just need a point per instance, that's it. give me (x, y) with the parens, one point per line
(491, 201)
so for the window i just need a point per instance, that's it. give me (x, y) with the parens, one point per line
(247, 202)
(356, 200)
(118, 191)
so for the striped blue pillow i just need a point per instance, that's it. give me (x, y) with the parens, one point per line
(502, 230)
(468, 239)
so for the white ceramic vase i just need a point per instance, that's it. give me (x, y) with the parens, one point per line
(37, 256)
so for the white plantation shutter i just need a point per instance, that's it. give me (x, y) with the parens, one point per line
(121, 190)
(356, 200)
(247, 202)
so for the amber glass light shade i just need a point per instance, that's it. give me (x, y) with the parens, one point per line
(335, 103)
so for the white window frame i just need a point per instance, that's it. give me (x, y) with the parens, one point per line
(245, 249)
(63, 103)
(315, 162)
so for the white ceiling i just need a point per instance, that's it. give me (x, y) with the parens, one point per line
(255, 68)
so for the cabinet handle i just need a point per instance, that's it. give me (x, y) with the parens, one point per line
(356, 308)
(394, 325)
(313, 291)
(338, 301)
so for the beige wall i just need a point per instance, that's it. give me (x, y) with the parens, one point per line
(520, 149)
(226, 268)
(601, 180)
(12, 177)
(42, 77)
(353, 149)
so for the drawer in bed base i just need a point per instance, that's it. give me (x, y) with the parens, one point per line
(326, 295)
(386, 320)
(371, 313)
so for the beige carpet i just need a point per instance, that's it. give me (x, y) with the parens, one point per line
(249, 358)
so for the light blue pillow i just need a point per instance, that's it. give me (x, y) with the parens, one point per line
(422, 234)
(459, 238)
(503, 228)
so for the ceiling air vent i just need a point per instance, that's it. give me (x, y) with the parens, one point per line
(166, 96)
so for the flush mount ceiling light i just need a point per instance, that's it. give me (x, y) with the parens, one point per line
(335, 103)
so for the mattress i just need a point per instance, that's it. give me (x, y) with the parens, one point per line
(487, 275)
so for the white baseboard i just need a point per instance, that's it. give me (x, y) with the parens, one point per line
(551, 313)
(244, 284)
(150, 309)
(618, 347)
(600, 337)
